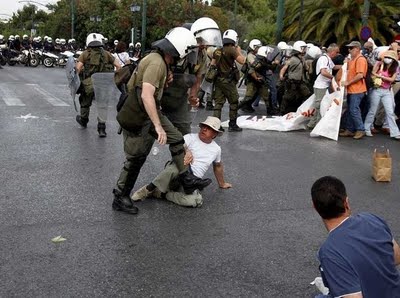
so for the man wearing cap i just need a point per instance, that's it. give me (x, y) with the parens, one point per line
(201, 152)
(356, 91)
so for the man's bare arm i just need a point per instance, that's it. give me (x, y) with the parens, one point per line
(149, 103)
(219, 175)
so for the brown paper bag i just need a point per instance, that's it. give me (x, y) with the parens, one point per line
(382, 166)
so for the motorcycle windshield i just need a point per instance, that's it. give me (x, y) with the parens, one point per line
(210, 37)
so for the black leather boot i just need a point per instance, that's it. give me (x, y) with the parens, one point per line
(190, 182)
(123, 203)
(101, 128)
(82, 121)
(233, 126)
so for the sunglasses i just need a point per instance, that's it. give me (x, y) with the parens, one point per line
(350, 48)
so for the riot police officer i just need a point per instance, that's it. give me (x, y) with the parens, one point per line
(93, 59)
(225, 59)
(257, 80)
(294, 75)
(142, 121)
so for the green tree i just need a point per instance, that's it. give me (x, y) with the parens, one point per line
(338, 20)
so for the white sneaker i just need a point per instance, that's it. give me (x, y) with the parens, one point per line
(397, 138)
(141, 194)
(368, 133)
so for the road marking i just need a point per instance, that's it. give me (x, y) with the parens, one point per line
(49, 97)
(9, 98)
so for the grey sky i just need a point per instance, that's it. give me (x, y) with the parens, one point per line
(8, 7)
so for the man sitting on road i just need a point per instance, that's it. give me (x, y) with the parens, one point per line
(360, 255)
(201, 152)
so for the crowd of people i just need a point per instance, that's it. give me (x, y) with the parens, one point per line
(154, 106)
(286, 77)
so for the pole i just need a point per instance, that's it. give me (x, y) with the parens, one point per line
(72, 19)
(144, 21)
(366, 13)
(301, 19)
(279, 20)
(235, 13)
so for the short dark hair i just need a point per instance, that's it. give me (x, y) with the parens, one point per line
(121, 47)
(328, 195)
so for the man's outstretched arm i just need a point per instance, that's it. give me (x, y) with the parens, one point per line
(219, 175)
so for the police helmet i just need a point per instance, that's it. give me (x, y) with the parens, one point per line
(207, 32)
(299, 46)
(94, 40)
(230, 37)
(178, 42)
(25, 36)
(254, 44)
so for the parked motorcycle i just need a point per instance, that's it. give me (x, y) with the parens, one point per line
(29, 57)
(12, 56)
(48, 59)
(3, 59)
(63, 58)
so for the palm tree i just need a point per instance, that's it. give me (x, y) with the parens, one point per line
(338, 20)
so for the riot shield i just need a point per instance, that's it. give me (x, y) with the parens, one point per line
(105, 92)
(73, 79)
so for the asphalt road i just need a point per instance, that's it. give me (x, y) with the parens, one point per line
(258, 239)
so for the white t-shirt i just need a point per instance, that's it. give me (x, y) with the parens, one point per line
(203, 154)
(121, 58)
(326, 62)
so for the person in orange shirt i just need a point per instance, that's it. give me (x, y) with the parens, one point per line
(356, 90)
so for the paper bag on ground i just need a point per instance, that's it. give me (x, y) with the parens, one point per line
(382, 166)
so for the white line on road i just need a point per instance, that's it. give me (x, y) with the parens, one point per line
(9, 98)
(49, 97)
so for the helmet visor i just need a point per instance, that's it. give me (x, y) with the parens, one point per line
(192, 55)
(209, 37)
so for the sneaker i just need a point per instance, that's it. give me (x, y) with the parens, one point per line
(141, 194)
(397, 138)
(346, 133)
(359, 135)
(369, 134)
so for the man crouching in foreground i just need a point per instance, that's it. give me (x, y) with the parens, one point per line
(360, 255)
(201, 152)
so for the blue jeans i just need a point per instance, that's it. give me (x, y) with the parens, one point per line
(354, 120)
(386, 97)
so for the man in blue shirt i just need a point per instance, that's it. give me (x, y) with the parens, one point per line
(359, 257)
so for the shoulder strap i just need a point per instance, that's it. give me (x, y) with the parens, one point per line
(326, 64)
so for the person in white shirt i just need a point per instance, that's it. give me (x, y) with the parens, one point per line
(121, 56)
(323, 81)
(201, 152)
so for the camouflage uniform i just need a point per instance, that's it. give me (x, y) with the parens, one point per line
(94, 60)
(296, 90)
(138, 130)
(225, 82)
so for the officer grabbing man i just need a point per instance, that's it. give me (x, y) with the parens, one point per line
(93, 59)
